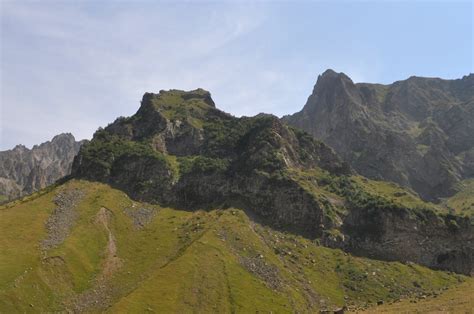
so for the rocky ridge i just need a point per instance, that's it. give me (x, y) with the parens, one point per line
(23, 170)
(178, 150)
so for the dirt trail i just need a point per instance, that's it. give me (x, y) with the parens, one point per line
(112, 261)
(99, 296)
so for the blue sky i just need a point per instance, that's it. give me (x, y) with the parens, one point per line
(72, 66)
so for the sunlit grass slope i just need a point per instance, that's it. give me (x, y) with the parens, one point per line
(457, 300)
(463, 201)
(124, 256)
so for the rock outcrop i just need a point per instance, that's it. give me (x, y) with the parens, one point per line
(417, 133)
(178, 150)
(23, 170)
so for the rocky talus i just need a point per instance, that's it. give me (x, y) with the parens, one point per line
(62, 218)
(23, 170)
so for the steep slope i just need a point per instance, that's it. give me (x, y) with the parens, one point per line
(178, 150)
(23, 170)
(114, 254)
(417, 132)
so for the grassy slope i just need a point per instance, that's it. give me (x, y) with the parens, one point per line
(463, 201)
(318, 182)
(184, 261)
(455, 300)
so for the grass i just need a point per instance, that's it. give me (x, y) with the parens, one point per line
(174, 107)
(456, 300)
(463, 201)
(337, 193)
(22, 226)
(393, 192)
(184, 261)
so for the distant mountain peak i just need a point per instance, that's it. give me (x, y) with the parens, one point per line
(29, 170)
(20, 147)
(63, 136)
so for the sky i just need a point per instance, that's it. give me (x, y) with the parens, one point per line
(73, 66)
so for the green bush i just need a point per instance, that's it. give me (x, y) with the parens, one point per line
(201, 164)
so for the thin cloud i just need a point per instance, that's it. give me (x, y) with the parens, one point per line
(75, 66)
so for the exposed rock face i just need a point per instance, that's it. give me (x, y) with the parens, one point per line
(399, 235)
(178, 150)
(23, 170)
(418, 133)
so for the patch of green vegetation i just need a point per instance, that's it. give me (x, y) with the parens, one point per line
(455, 300)
(314, 181)
(135, 166)
(354, 194)
(394, 192)
(21, 230)
(31, 196)
(222, 136)
(338, 194)
(174, 165)
(463, 201)
(175, 106)
(201, 164)
(106, 148)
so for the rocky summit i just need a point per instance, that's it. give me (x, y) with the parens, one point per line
(24, 171)
(178, 150)
(418, 132)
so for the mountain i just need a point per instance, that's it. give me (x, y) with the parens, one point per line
(417, 132)
(178, 150)
(23, 170)
(185, 208)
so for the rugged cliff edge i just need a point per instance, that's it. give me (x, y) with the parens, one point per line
(417, 132)
(179, 150)
(23, 170)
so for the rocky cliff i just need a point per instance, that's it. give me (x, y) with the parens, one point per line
(23, 170)
(417, 132)
(179, 150)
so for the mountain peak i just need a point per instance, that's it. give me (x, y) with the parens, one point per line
(175, 97)
(20, 147)
(331, 76)
(331, 89)
(63, 137)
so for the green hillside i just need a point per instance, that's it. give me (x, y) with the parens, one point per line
(107, 252)
(456, 300)
(463, 201)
